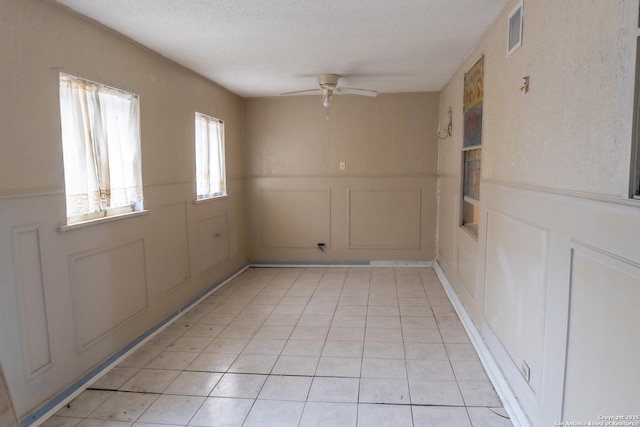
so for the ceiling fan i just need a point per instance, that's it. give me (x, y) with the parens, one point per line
(328, 86)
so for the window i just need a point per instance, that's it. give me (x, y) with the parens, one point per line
(514, 38)
(635, 150)
(472, 146)
(210, 171)
(101, 149)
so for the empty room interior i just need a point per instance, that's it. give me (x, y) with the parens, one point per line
(458, 247)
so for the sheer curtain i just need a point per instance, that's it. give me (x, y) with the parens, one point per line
(210, 171)
(101, 147)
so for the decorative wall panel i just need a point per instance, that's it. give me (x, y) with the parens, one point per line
(467, 268)
(174, 245)
(296, 218)
(109, 287)
(385, 218)
(603, 326)
(32, 298)
(515, 288)
(214, 241)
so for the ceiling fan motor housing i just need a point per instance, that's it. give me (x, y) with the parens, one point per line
(328, 81)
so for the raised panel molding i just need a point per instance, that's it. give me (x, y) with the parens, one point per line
(388, 218)
(446, 227)
(32, 299)
(466, 269)
(603, 326)
(295, 218)
(109, 286)
(517, 256)
(214, 241)
(173, 244)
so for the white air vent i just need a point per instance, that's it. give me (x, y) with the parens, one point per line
(514, 40)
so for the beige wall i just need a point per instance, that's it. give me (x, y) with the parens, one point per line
(555, 271)
(69, 300)
(382, 207)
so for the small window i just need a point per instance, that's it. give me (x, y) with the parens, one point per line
(101, 149)
(472, 146)
(471, 189)
(210, 162)
(514, 40)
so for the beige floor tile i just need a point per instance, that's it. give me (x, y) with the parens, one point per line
(489, 417)
(479, 393)
(384, 368)
(334, 389)
(85, 403)
(296, 365)
(343, 348)
(124, 406)
(425, 392)
(320, 414)
(193, 383)
(253, 364)
(339, 367)
(177, 360)
(212, 362)
(239, 385)
(279, 387)
(222, 412)
(429, 416)
(469, 370)
(169, 409)
(384, 416)
(150, 381)
(274, 413)
(303, 348)
(383, 390)
(434, 370)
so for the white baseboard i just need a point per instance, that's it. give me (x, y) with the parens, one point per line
(500, 384)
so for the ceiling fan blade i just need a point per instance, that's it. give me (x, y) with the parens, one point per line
(303, 92)
(356, 91)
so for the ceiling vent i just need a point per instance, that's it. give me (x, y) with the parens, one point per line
(514, 40)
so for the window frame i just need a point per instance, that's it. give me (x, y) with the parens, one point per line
(634, 170)
(110, 212)
(220, 149)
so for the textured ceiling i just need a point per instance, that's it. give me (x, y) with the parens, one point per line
(263, 48)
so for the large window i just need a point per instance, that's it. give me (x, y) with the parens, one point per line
(101, 149)
(210, 170)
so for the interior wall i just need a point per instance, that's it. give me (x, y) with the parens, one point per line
(71, 299)
(556, 264)
(382, 206)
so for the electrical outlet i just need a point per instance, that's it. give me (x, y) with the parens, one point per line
(343, 166)
(526, 372)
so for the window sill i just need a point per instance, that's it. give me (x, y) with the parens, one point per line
(472, 229)
(88, 223)
(209, 199)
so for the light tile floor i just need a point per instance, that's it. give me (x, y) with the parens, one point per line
(302, 347)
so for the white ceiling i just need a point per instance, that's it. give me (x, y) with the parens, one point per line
(263, 48)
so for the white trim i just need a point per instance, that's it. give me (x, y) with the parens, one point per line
(499, 381)
(101, 220)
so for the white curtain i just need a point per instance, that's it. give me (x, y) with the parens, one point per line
(101, 147)
(210, 172)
